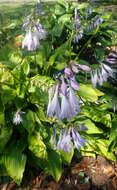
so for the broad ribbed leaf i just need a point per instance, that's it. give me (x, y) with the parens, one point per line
(14, 162)
(26, 67)
(113, 132)
(5, 134)
(37, 146)
(92, 128)
(29, 121)
(67, 156)
(54, 164)
(103, 147)
(88, 93)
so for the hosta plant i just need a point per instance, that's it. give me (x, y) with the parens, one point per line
(58, 89)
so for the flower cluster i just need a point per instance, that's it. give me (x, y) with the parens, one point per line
(64, 102)
(34, 32)
(32, 38)
(17, 119)
(68, 139)
(101, 74)
(95, 23)
(78, 29)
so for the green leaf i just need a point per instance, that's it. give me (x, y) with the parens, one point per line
(37, 146)
(67, 157)
(57, 30)
(59, 10)
(94, 112)
(92, 128)
(29, 121)
(64, 18)
(8, 94)
(54, 164)
(88, 93)
(103, 147)
(14, 162)
(5, 134)
(113, 132)
(42, 82)
(2, 116)
(26, 67)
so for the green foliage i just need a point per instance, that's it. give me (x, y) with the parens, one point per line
(54, 164)
(25, 79)
(14, 162)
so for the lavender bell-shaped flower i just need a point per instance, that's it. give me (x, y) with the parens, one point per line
(63, 87)
(65, 142)
(104, 73)
(28, 41)
(36, 39)
(100, 78)
(77, 139)
(108, 69)
(94, 77)
(42, 32)
(53, 106)
(67, 71)
(84, 68)
(74, 68)
(27, 38)
(74, 83)
(66, 110)
(90, 10)
(17, 119)
(76, 20)
(73, 102)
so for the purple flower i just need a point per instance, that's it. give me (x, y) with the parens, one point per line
(65, 142)
(28, 41)
(17, 119)
(83, 127)
(101, 74)
(76, 20)
(63, 87)
(66, 110)
(42, 32)
(67, 71)
(26, 24)
(94, 77)
(84, 68)
(74, 68)
(77, 139)
(111, 60)
(53, 106)
(73, 102)
(108, 69)
(90, 10)
(100, 78)
(78, 36)
(104, 74)
(101, 20)
(74, 83)
(31, 41)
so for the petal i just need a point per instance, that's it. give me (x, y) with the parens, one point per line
(67, 71)
(74, 69)
(63, 87)
(66, 111)
(74, 84)
(94, 78)
(74, 102)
